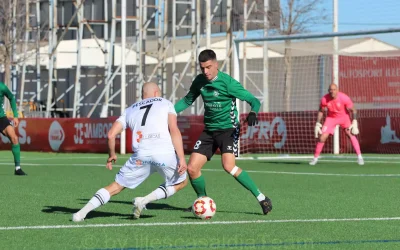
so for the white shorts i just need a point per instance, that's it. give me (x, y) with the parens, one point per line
(138, 169)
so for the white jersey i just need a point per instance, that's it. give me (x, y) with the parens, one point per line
(148, 120)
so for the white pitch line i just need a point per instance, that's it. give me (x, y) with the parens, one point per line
(220, 170)
(60, 158)
(310, 173)
(324, 157)
(386, 161)
(193, 223)
(58, 164)
(355, 161)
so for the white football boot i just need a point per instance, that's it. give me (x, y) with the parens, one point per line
(77, 218)
(313, 162)
(138, 206)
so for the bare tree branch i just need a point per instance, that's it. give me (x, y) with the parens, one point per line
(297, 16)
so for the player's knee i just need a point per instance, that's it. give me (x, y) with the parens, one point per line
(234, 171)
(14, 140)
(192, 171)
(227, 168)
(347, 131)
(323, 138)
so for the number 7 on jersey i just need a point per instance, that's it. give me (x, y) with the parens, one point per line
(147, 107)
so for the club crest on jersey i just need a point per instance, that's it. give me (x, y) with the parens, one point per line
(216, 93)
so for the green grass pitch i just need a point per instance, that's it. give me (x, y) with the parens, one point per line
(333, 205)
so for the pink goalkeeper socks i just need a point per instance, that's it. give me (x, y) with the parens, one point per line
(318, 149)
(355, 144)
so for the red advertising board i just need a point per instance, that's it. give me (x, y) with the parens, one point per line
(379, 131)
(293, 132)
(280, 133)
(370, 79)
(191, 128)
(62, 135)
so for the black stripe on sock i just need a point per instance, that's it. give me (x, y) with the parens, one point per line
(163, 189)
(98, 196)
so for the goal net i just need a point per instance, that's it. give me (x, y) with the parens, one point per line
(291, 78)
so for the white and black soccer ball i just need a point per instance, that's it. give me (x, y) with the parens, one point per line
(204, 208)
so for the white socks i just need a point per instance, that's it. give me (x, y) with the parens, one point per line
(161, 192)
(101, 197)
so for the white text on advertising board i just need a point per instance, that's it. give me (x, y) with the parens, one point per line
(91, 133)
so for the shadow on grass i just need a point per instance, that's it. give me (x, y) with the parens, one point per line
(92, 214)
(154, 206)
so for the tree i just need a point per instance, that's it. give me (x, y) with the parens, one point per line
(297, 16)
(12, 29)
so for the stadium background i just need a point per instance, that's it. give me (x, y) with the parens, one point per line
(80, 44)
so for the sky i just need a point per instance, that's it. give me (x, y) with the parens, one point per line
(357, 15)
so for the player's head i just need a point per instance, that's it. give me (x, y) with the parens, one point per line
(150, 89)
(333, 90)
(208, 64)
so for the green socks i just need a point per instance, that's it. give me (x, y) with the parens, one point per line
(248, 183)
(199, 186)
(16, 150)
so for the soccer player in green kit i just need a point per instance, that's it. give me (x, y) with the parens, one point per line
(219, 92)
(7, 129)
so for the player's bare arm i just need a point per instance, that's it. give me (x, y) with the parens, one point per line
(15, 121)
(115, 130)
(318, 125)
(176, 138)
(320, 114)
(353, 111)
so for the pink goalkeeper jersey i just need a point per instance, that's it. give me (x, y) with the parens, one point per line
(337, 107)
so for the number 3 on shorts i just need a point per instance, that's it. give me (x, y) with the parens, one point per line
(197, 145)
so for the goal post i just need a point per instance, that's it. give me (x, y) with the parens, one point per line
(300, 69)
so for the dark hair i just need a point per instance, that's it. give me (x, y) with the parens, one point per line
(207, 55)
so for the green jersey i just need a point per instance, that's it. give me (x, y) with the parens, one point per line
(4, 91)
(219, 97)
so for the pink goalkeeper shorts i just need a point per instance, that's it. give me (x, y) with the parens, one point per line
(330, 124)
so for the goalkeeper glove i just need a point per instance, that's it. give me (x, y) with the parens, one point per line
(354, 127)
(317, 129)
(252, 118)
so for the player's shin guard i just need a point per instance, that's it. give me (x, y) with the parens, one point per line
(355, 144)
(199, 186)
(318, 149)
(244, 179)
(16, 151)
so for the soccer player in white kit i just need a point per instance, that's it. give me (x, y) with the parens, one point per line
(157, 146)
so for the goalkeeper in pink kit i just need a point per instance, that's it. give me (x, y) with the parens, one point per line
(339, 106)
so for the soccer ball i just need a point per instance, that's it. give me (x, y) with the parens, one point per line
(204, 208)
